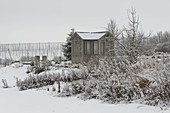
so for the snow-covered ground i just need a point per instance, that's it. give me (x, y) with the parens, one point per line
(10, 73)
(43, 101)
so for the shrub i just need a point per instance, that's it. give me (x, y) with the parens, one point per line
(116, 80)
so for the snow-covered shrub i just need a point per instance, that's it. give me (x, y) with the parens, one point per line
(162, 47)
(73, 88)
(17, 65)
(66, 91)
(36, 81)
(38, 70)
(116, 80)
(159, 92)
(69, 75)
(44, 79)
(77, 87)
(98, 77)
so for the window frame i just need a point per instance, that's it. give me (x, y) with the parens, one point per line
(90, 48)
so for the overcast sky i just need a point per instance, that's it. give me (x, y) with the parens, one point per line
(51, 20)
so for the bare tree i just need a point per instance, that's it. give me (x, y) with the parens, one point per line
(114, 34)
(133, 37)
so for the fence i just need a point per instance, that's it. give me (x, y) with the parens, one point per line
(18, 50)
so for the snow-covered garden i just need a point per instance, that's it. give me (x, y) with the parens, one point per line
(132, 76)
(110, 86)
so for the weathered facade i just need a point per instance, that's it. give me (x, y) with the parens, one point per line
(85, 45)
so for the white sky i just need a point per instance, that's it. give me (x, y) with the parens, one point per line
(51, 20)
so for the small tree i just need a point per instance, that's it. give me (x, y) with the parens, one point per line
(132, 37)
(67, 49)
(67, 46)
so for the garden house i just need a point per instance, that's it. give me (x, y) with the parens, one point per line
(87, 45)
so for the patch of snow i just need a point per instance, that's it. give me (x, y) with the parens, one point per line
(41, 101)
(10, 73)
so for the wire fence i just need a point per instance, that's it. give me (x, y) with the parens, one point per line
(16, 51)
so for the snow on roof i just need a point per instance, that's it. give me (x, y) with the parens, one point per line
(91, 35)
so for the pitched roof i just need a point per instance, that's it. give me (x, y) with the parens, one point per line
(91, 35)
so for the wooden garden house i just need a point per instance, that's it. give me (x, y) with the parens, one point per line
(86, 45)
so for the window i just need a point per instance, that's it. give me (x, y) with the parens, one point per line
(91, 47)
(96, 47)
(88, 47)
(102, 48)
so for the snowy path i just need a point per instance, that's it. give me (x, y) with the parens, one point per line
(41, 101)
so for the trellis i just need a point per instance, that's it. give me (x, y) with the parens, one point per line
(18, 50)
